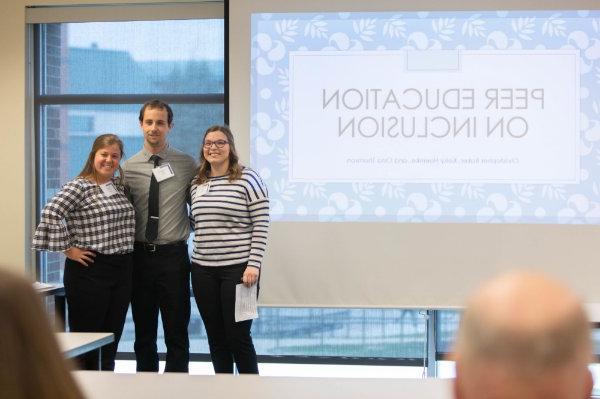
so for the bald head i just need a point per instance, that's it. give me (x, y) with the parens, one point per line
(523, 335)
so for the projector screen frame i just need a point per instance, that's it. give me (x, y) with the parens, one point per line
(312, 264)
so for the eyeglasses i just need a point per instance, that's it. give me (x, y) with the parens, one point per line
(218, 143)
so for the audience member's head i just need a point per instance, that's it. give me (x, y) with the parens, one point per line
(31, 364)
(523, 335)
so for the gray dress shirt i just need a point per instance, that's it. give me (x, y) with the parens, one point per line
(173, 224)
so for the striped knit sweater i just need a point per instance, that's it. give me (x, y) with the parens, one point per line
(230, 220)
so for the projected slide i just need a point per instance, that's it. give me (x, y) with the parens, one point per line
(486, 117)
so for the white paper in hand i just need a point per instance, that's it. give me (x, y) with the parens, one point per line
(245, 302)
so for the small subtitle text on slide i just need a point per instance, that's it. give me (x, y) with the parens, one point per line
(466, 161)
(377, 160)
(434, 160)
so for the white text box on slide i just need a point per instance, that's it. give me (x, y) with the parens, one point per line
(494, 117)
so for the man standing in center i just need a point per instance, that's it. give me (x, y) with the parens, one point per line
(158, 178)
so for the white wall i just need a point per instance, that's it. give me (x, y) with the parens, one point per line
(13, 201)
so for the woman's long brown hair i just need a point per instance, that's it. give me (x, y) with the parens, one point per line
(31, 364)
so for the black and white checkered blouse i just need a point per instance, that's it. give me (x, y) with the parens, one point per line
(81, 215)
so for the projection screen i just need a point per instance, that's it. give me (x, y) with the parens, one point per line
(412, 152)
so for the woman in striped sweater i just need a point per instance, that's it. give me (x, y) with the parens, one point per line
(230, 215)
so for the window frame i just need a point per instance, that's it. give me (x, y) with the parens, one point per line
(36, 16)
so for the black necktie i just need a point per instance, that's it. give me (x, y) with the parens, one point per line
(152, 224)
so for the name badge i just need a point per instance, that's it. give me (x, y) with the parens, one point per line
(202, 189)
(163, 172)
(109, 189)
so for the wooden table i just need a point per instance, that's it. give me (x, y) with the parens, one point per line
(77, 343)
(97, 385)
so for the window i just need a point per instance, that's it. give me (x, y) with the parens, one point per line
(92, 79)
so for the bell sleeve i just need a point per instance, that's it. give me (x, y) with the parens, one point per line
(52, 233)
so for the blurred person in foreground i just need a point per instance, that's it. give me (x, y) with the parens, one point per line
(31, 364)
(523, 335)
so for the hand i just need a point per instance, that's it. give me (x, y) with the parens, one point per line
(250, 276)
(82, 256)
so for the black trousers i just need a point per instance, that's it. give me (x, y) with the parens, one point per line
(229, 342)
(97, 300)
(161, 282)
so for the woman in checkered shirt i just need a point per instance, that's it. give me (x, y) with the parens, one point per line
(92, 222)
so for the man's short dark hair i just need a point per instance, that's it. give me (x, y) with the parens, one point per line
(157, 104)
